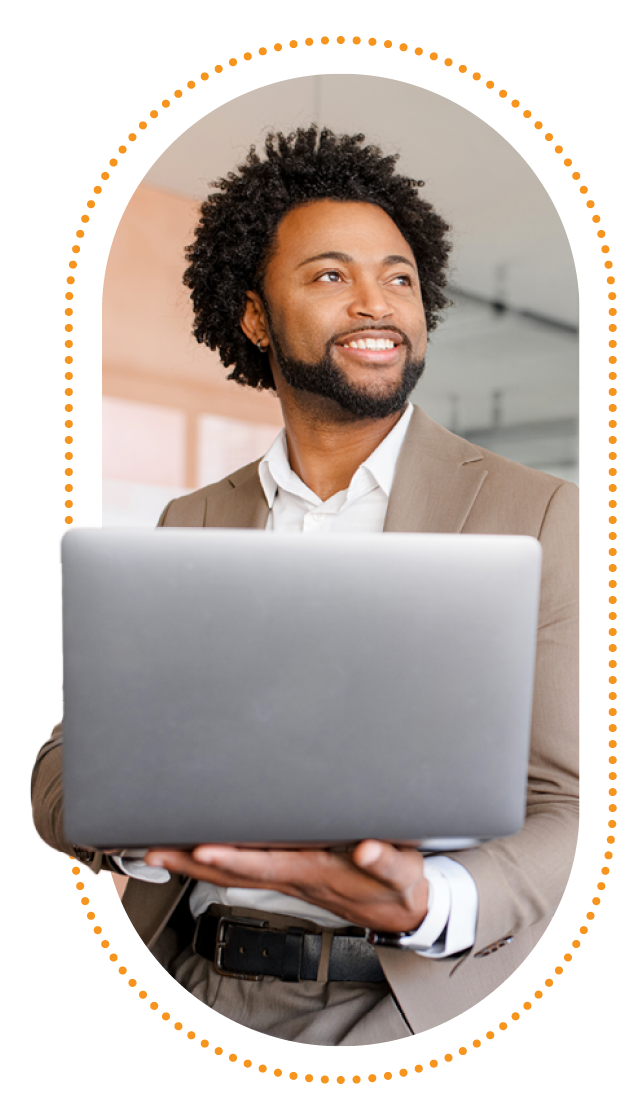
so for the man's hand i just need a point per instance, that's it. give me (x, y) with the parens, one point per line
(376, 885)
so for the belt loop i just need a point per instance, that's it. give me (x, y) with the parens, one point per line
(293, 949)
(323, 968)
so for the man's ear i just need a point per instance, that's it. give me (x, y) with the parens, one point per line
(254, 321)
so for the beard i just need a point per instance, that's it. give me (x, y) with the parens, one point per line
(326, 380)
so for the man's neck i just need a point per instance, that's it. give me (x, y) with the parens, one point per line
(324, 451)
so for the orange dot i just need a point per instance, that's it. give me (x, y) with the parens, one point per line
(515, 103)
(165, 104)
(204, 76)
(113, 162)
(218, 69)
(448, 1057)
(527, 1006)
(153, 1006)
(178, 1026)
(232, 1057)
(434, 1063)
(218, 1050)
(403, 46)
(262, 1069)
(324, 1080)
(372, 42)
(502, 1026)
(75, 870)
(463, 1050)
(85, 901)
(292, 1076)
(447, 62)
(372, 1077)
(122, 970)
(490, 1034)
(262, 50)
(232, 61)
(132, 983)
(476, 76)
(538, 124)
(340, 39)
(462, 69)
(105, 944)
(418, 1069)
(388, 43)
(387, 1075)
(538, 995)
(248, 1063)
(248, 56)
(204, 1043)
(476, 1043)
(177, 92)
(191, 1034)
(502, 93)
(75, 248)
(356, 40)
(490, 85)
(309, 42)
(549, 983)
(105, 175)
(191, 85)
(403, 1073)
(68, 520)
(277, 1072)
(143, 995)
(527, 113)
(583, 190)
(356, 1079)
(131, 136)
(418, 50)
(515, 1015)
(165, 1015)
(434, 56)
(308, 1077)
(325, 39)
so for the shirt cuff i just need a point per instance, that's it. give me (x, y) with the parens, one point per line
(450, 924)
(131, 862)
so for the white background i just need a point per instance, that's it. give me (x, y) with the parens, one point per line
(77, 79)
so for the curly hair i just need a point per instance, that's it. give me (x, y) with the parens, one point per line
(236, 234)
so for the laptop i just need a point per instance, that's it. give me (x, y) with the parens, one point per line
(268, 689)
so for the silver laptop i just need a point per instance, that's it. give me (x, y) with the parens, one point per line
(273, 689)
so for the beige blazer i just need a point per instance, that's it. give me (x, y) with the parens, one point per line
(443, 484)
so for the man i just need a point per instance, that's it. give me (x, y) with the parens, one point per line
(317, 272)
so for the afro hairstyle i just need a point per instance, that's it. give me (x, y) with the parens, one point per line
(236, 234)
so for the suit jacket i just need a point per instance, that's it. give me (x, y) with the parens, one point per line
(443, 484)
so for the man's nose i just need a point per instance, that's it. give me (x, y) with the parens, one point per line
(369, 300)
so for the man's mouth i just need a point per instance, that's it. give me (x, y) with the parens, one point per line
(377, 345)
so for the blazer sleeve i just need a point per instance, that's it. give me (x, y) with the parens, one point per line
(520, 879)
(46, 801)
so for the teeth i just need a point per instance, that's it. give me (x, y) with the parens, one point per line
(370, 344)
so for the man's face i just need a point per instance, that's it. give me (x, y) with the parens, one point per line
(345, 314)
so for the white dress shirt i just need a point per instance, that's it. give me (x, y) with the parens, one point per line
(450, 924)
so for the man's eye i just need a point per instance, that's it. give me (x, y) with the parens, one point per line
(404, 281)
(329, 276)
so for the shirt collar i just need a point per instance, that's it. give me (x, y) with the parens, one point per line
(275, 472)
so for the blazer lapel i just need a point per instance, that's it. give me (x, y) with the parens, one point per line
(434, 488)
(240, 505)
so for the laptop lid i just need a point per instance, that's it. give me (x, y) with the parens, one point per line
(260, 688)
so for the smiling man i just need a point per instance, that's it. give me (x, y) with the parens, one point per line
(316, 272)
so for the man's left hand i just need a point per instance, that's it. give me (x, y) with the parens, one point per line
(376, 886)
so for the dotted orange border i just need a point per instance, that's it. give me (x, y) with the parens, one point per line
(527, 115)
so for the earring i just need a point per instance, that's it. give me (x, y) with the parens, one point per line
(260, 346)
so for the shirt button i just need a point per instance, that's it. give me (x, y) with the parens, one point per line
(317, 517)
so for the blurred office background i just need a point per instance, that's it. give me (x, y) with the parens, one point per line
(501, 368)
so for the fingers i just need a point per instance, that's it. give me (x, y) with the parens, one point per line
(397, 869)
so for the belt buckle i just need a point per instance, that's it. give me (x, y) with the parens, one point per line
(220, 945)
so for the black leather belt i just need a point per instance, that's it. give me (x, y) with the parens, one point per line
(248, 950)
